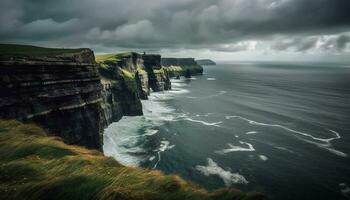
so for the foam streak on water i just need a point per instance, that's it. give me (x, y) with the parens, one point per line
(229, 178)
(124, 140)
(325, 142)
(234, 148)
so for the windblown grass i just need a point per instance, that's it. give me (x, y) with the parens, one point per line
(7, 50)
(111, 57)
(36, 166)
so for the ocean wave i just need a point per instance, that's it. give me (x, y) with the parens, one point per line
(284, 149)
(263, 157)
(211, 79)
(326, 142)
(204, 115)
(203, 122)
(251, 132)
(229, 178)
(345, 189)
(234, 148)
(179, 91)
(164, 146)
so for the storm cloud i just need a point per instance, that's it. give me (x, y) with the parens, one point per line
(219, 25)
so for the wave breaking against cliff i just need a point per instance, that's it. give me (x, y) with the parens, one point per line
(247, 129)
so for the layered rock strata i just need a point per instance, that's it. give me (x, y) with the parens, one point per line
(60, 92)
(181, 66)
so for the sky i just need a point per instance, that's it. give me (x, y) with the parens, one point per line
(223, 30)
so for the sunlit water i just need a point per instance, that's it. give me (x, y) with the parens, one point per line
(278, 128)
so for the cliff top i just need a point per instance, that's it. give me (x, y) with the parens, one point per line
(36, 166)
(15, 52)
(205, 62)
(114, 56)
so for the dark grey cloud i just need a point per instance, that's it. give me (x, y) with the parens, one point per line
(174, 24)
(325, 43)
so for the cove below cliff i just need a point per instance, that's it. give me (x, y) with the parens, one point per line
(253, 126)
(54, 104)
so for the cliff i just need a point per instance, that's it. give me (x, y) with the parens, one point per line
(181, 66)
(59, 89)
(122, 85)
(68, 94)
(158, 77)
(205, 62)
(36, 166)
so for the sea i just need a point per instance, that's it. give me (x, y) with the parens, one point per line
(274, 127)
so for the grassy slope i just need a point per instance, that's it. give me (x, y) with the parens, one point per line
(27, 50)
(36, 166)
(110, 57)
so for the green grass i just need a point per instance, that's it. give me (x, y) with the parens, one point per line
(111, 57)
(28, 50)
(194, 69)
(36, 166)
(173, 68)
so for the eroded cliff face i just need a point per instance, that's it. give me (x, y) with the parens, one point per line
(60, 91)
(71, 95)
(181, 66)
(158, 77)
(120, 94)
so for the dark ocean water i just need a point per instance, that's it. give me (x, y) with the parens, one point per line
(282, 129)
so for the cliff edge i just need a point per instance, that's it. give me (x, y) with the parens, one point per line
(36, 166)
(58, 89)
(182, 66)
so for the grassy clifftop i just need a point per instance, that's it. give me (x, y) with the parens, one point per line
(28, 50)
(36, 166)
(15, 52)
(111, 57)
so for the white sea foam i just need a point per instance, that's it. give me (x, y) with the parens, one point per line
(203, 122)
(120, 140)
(164, 146)
(204, 115)
(179, 91)
(234, 148)
(325, 142)
(150, 132)
(123, 140)
(284, 149)
(345, 189)
(211, 79)
(229, 178)
(152, 158)
(251, 132)
(263, 157)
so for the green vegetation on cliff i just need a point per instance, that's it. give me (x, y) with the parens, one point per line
(7, 50)
(36, 166)
(193, 69)
(116, 73)
(111, 57)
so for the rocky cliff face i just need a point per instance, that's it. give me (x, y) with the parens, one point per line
(158, 77)
(71, 95)
(121, 90)
(61, 91)
(181, 66)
